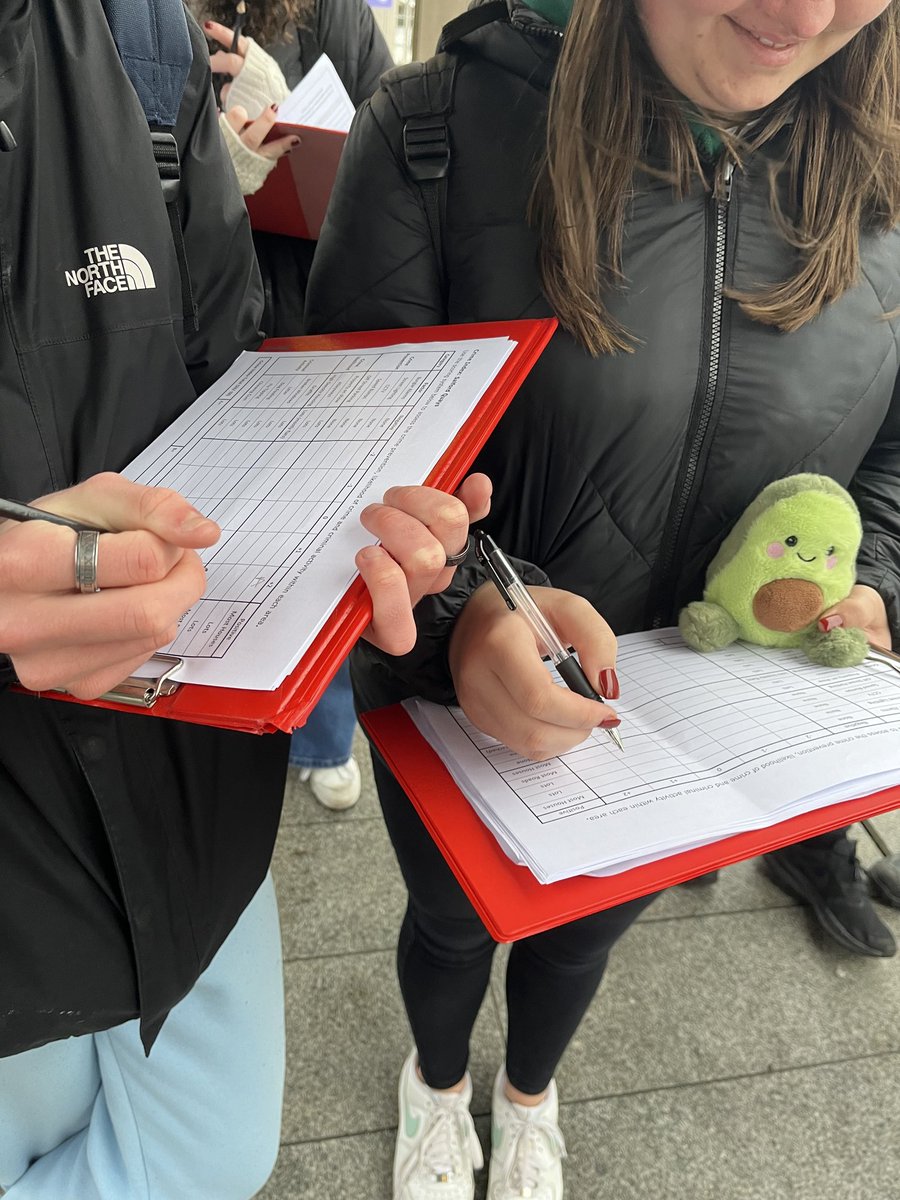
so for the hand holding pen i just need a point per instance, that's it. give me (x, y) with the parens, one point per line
(81, 611)
(499, 678)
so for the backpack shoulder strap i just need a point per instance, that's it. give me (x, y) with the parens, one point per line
(155, 48)
(422, 94)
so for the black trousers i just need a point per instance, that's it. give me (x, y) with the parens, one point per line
(444, 963)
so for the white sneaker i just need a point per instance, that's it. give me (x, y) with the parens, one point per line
(527, 1147)
(438, 1150)
(335, 787)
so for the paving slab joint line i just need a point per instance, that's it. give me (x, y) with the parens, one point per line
(671, 1087)
(645, 919)
(880, 844)
(768, 1073)
(390, 948)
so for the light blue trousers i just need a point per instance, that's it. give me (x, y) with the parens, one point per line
(91, 1118)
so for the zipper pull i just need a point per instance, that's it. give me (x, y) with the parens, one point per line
(727, 180)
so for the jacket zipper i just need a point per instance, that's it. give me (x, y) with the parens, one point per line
(721, 201)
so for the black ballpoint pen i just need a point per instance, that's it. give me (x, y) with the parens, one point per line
(519, 599)
(12, 510)
(240, 17)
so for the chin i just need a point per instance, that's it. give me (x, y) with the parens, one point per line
(731, 101)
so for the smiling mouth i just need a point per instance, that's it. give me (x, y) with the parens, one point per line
(802, 559)
(769, 43)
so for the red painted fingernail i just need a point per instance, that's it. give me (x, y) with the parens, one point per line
(207, 24)
(295, 142)
(609, 723)
(274, 107)
(826, 624)
(609, 684)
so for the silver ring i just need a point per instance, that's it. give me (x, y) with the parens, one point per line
(87, 545)
(454, 560)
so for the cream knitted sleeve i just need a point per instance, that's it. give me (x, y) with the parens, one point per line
(251, 168)
(258, 84)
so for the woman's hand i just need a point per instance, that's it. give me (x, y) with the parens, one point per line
(225, 62)
(149, 575)
(863, 609)
(417, 527)
(254, 133)
(505, 689)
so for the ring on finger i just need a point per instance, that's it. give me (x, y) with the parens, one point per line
(455, 560)
(87, 545)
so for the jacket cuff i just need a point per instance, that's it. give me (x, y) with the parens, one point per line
(252, 169)
(380, 678)
(7, 672)
(258, 84)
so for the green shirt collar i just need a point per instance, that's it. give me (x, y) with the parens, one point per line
(556, 12)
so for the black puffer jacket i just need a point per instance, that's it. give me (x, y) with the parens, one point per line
(129, 846)
(345, 30)
(618, 475)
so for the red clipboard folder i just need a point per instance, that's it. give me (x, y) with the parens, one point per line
(507, 897)
(295, 195)
(289, 705)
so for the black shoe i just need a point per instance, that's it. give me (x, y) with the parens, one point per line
(885, 879)
(833, 883)
(701, 880)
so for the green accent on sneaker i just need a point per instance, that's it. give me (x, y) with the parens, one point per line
(411, 1123)
(496, 1136)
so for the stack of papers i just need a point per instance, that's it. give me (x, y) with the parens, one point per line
(319, 100)
(284, 452)
(714, 745)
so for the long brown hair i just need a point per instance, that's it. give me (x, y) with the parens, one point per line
(268, 21)
(841, 166)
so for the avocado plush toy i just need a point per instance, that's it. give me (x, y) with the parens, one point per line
(790, 557)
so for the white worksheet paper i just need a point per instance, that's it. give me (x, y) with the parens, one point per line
(284, 452)
(319, 100)
(714, 744)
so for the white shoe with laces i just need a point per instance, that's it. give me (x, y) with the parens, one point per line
(335, 787)
(437, 1150)
(527, 1148)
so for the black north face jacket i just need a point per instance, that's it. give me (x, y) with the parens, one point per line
(128, 845)
(618, 475)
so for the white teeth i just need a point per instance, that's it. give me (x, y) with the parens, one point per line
(771, 45)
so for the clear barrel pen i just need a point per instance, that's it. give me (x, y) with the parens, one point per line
(519, 599)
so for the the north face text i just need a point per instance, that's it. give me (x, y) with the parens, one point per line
(112, 268)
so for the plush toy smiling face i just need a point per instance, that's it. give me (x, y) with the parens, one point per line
(804, 548)
(795, 558)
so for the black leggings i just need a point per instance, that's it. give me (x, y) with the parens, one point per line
(444, 963)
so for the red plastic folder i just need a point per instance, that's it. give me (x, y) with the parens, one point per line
(289, 705)
(507, 897)
(295, 195)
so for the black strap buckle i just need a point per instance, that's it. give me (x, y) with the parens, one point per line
(168, 163)
(426, 144)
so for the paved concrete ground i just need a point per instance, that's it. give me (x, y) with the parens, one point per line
(731, 1053)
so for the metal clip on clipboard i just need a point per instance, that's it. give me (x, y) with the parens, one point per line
(142, 691)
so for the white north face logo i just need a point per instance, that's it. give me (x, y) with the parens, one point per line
(112, 268)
